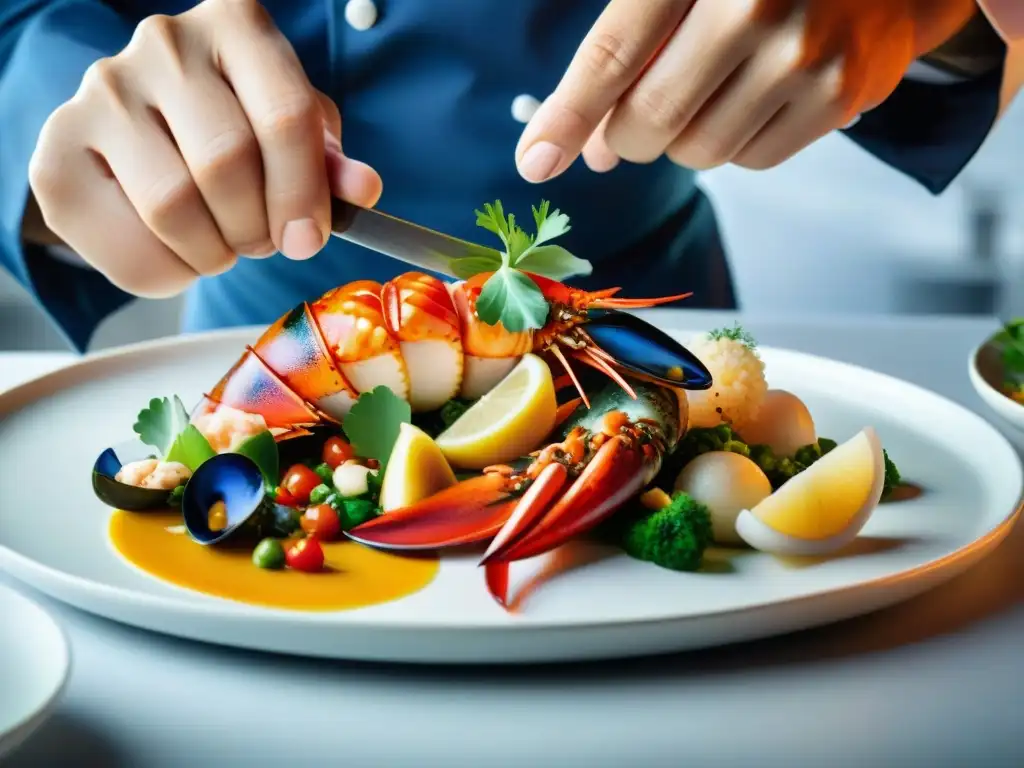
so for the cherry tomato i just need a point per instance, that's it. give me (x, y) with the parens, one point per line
(305, 555)
(337, 452)
(282, 497)
(373, 464)
(321, 521)
(299, 481)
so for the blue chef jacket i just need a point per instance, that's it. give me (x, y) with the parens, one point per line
(425, 95)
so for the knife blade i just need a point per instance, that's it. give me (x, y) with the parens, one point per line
(421, 247)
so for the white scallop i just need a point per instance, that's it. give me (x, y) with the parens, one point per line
(360, 14)
(726, 483)
(783, 423)
(524, 107)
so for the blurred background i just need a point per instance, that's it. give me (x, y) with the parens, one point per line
(833, 230)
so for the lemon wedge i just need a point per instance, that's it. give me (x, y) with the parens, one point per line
(508, 422)
(824, 507)
(416, 469)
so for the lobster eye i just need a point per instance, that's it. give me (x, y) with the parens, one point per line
(644, 349)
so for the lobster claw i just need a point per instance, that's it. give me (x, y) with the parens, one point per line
(645, 350)
(617, 472)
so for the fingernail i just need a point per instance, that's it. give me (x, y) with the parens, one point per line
(301, 239)
(540, 161)
(258, 250)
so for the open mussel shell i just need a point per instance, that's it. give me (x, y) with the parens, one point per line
(646, 350)
(229, 478)
(121, 495)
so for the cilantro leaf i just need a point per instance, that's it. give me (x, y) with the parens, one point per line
(520, 247)
(468, 266)
(373, 422)
(261, 448)
(190, 448)
(550, 227)
(514, 300)
(553, 261)
(161, 423)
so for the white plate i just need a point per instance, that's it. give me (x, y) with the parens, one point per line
(52, 428)
(985, 368)
(34, 664)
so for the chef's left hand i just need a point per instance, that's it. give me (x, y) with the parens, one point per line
(709, 82)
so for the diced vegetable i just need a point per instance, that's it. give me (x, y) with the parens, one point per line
(350, 479)
(305, 555)
(299, 482)
(321, 521)
(319, 494)
(268, 554)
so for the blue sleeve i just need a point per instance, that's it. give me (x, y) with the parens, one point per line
(931, 131)
(45, 48)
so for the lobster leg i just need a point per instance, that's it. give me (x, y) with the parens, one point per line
(617, 472)
(468, 512)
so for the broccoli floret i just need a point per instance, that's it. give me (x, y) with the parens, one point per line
(673, 537)
(892, 476)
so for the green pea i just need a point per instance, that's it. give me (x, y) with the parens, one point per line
(319, 494)
(325, 472)
(175, 498)
(268, 554)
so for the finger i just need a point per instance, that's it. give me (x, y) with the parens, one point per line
(352, 180)
(611, 57)
(596, 152)
(134, 142)
(759, 90)
(62, 178)
(288, 119)
(218, 147)
(710, 44)
(332, 117)
(821, 111)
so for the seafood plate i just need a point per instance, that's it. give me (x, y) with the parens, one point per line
(380, 427)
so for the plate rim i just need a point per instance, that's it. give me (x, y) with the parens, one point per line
(17, 564)
(22, 729)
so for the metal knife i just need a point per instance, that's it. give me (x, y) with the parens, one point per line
(421, 247)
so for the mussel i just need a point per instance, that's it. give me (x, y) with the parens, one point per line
(225, 492)
(121, 495)
(644, 349)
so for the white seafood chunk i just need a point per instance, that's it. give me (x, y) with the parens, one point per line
(226, 428)
(167, 476)
(136, 472)
(352, 479)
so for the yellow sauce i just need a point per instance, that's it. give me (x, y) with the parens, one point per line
(354, 576)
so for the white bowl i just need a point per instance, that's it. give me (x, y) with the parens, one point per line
(35, 661)
(985, 368)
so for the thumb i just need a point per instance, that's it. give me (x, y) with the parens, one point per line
(332, 117)
(349, 179)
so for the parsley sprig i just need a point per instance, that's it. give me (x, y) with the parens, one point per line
(509, 296)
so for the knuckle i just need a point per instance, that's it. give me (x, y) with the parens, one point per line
(103, 80)
(700, 152)
(46, 177)
(659, 108)
(161, 35)
(290, 118)
(168, 202)
(245, 10)
(609, 55)
(832, 85)
(227, 152)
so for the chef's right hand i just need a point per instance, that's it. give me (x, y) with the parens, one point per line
(201, 141)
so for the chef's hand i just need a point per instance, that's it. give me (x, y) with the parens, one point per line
(201, 141)
(709, 82)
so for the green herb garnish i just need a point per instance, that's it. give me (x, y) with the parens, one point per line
(262, 450)
(736, 333)
(373, 422)
(190, 448)
(161, 423)
(509, 296)
(1010, 342)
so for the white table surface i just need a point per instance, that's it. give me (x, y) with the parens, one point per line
(934, 682)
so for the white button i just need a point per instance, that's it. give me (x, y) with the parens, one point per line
(360, 14)
(523, 108)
